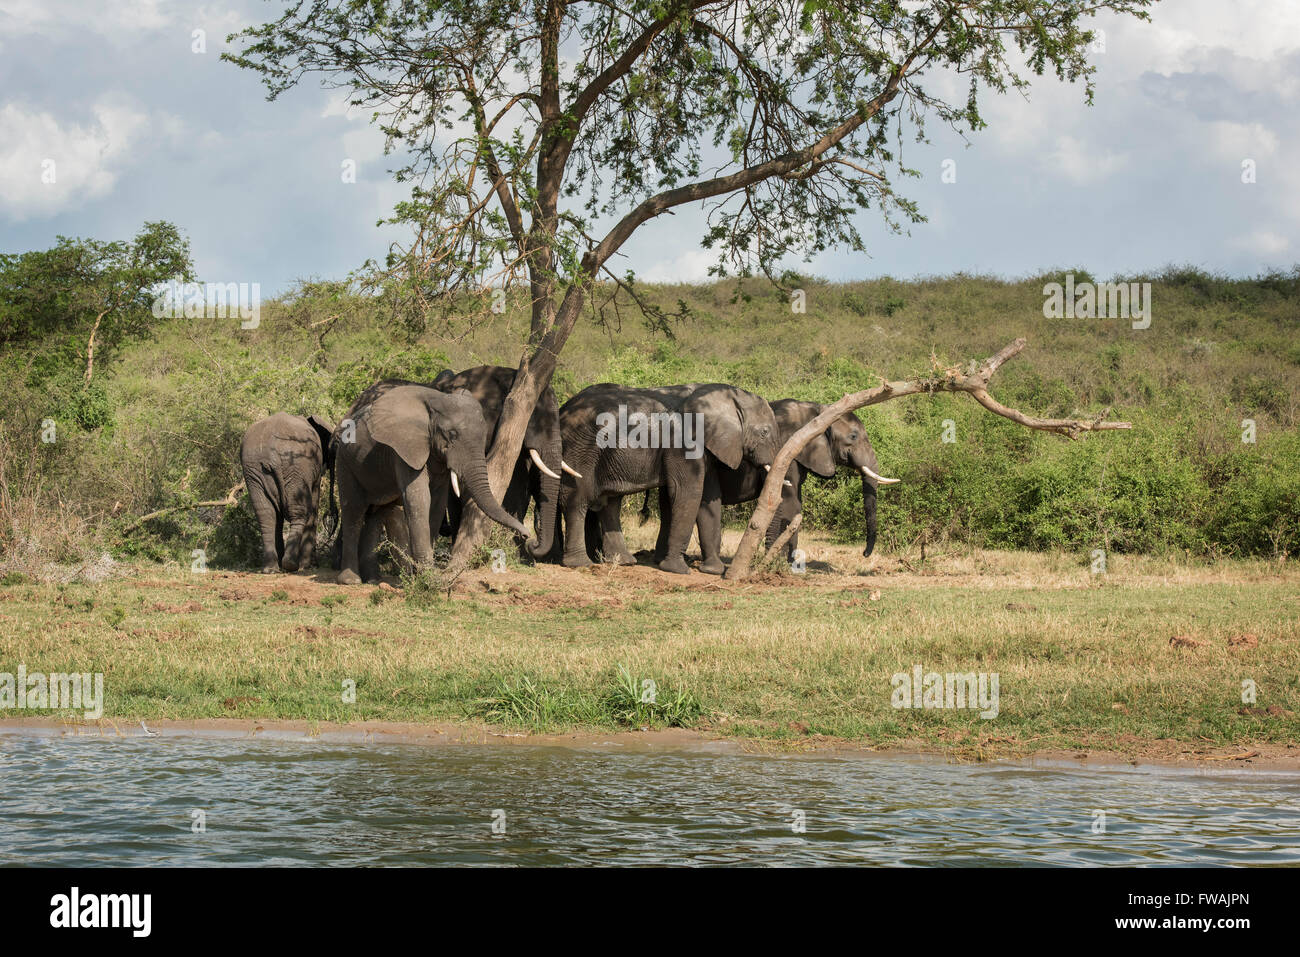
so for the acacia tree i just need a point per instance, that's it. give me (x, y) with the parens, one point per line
(539, 136)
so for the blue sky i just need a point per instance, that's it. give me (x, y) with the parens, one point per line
(141, 127)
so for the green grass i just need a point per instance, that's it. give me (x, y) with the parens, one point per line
(172, 410)
(1083, 660)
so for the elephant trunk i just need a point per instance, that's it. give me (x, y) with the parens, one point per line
(474, 478)
(548, 500)
(869, 512)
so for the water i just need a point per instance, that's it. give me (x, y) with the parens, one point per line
(129, 801)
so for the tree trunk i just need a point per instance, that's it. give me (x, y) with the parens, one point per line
(533, 376)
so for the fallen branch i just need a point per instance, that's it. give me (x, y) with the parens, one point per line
(230, 499)
(974, 383)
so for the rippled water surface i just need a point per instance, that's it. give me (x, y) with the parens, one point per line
(91, 800)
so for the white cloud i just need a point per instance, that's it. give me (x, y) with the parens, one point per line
(82, 160)
(690, 266)
(19, 18)
(1261, 242)
(1083, 163)
(1233, 142)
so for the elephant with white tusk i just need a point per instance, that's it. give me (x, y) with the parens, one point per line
(674, 438)
(406, 444)
(843, 444)
(537, 470)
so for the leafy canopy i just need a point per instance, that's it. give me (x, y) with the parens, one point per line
(537, 136)
(59, 293)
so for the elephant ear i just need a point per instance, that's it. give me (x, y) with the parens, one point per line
(817, 456)
(723, 424)
(401, 422)
(441, 380)
(324, 428)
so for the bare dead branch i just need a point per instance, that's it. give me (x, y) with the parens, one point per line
(948, 380)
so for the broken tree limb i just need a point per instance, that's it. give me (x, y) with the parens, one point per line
(230, 499)
(785, 536)
(946, 380)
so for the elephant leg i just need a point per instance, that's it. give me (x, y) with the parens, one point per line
(416, 502)
(708, 524)
(394, 522)
(575, 539)
(665, 517)
(685, 489)
(592, 534)
(352, 516)
(612, 544)
(451, 518)
(268, 523)
(439, 495)
(368, 549)
(307, 557)
(515, 501)
(791, 505)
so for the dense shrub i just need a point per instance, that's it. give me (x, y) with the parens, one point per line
(159, 426)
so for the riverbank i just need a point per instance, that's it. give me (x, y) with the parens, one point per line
(1167, 754)
(1144, 662)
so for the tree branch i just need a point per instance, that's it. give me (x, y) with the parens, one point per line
(951, 380)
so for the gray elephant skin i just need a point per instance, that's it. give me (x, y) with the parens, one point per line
(844, 444)
(537, 472)
(400, 445)
(728, 427)
(283, 458)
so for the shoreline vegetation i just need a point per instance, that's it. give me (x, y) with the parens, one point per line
(986, 560)
(1267, 758)
(1212, 387)
(1145, 662)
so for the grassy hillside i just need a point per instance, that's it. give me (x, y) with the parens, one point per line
(161, 424)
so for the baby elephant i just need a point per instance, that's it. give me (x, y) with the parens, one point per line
(283, 458)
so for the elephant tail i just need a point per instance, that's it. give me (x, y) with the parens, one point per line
(645, 506)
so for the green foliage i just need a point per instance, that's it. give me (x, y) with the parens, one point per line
(640, 702)
(66, 289)
(628, 701)
(427, 586)
(417, 363)
(167, 417)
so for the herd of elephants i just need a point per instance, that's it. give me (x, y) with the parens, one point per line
(407, 454)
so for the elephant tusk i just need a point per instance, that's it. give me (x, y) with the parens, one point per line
(879, 478)
(787, 483)
(566, 467)
(537, 460)
(455, 486)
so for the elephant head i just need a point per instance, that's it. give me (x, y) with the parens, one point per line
(542, 448)
(738, 425)
(421, 424)
(844, 443)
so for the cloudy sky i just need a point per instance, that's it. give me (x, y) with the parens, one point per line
(141, 127)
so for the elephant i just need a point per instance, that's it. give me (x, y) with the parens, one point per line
(537, 470)
(403, 445)
(283, 458)
(844, 443)
(676, 438)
